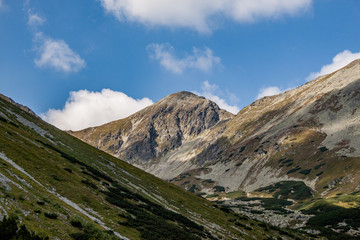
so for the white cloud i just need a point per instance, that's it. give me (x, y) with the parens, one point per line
(339, 61)
(57, 54)
(211, 92)
(201, 15)
(85, 109)
(34, 19)
(269, 91)
(203, 60)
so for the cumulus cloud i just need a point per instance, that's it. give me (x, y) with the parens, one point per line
(339, 61)
(200, 15)
(52, 53)
(86, 109)
(203, 60)
(269, 91)
(57, 54)
(211, 92)
(34, 20)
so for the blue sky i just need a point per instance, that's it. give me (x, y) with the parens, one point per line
(106, 59)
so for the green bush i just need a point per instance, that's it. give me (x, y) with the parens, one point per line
(305, 172)
(219, 189)
(51, 215)
(76, 223)
(89, 183)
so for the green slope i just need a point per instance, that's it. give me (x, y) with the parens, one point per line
(60, 187)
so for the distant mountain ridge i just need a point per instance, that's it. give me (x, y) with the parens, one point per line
(306, 134)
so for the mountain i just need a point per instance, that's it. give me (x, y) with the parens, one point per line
(294, 156)
(307, 134)
(60, 187)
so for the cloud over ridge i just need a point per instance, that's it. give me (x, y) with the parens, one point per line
(339, 61)
(203, 60)
(211, 92)
(268, 91)
(199, 15)
(85, 109)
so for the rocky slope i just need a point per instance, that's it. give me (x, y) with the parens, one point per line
(60, 187)
(309, 134)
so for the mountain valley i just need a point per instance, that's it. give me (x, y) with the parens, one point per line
(298, 150)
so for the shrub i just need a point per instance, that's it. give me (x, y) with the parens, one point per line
(293, 170)
(305, 172)
(51, 215)
(323, 149)
(219, 189)
(208, 181)
(76, 223)
(193, 188)
(89, 183)
(68, 170)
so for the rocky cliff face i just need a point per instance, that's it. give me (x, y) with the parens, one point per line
(309, 134)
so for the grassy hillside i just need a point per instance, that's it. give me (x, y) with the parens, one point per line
(60, 187)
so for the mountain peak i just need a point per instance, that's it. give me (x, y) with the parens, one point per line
(181, 96)
(158, 129)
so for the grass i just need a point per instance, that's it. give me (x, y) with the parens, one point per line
(236, 194)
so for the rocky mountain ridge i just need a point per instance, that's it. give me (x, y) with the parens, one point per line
(306, 134)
